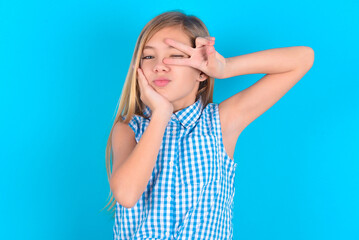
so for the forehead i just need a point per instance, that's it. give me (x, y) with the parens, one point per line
(175, 33)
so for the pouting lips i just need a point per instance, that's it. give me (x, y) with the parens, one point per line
(161, 83)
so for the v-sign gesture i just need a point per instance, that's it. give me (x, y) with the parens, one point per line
(203, 57)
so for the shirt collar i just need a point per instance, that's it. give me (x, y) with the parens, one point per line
(186, 116)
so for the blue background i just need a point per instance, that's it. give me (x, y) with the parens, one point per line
(62, 68)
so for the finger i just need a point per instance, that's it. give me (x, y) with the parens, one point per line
(211, 40)
(204, 41)
(211, 57)
(141, 80)
(210, 50)
(180, 46)
(143, 77)
(200, 41)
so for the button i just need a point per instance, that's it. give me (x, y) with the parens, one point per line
(171, 163)
(167, 234)
(169, 198)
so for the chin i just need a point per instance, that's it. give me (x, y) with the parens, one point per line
(170, 99)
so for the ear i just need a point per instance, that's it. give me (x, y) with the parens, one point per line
(202, 77)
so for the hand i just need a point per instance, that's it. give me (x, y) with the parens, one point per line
(203, 57)
(149, 96)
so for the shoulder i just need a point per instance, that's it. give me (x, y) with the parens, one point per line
(134, 122)
(122, 143)
(125, 133)
(138, 124)
(121, 129)
(232, 124)
(210, 109)
(232, 120)
(122, 138)
(209, 114)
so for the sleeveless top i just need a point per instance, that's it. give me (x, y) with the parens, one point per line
(190, 192)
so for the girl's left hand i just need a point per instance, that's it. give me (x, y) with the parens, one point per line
(203, 57)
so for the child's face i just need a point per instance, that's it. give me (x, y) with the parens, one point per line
(184, 80)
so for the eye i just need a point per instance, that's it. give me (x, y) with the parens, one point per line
(146, 57)
(177, 56)
(150, 57)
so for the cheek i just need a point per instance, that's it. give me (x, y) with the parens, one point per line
(146, 69)
(185, 70)
(191, 73)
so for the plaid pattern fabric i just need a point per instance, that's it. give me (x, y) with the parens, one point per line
(191, 189)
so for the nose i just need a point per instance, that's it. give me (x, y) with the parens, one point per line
(160, 66)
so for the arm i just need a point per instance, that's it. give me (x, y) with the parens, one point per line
(271, 61)
(132, 173)
(284, 68)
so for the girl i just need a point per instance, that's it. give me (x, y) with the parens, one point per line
(172, 148)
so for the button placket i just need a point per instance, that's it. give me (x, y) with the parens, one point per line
(171, 163)
(174, 132)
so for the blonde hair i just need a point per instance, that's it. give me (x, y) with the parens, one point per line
(130, 103)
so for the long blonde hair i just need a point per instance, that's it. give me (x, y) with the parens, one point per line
(130, 103)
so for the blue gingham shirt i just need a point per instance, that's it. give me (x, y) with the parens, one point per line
(191, 189)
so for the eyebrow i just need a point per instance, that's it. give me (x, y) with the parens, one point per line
(150, 47)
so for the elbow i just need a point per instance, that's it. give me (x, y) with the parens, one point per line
(309, 56)
(124, 198)
(124, 201)
(305, 59)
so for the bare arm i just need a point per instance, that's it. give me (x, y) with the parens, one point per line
(130, 178)
(270, 61)
(284, 68)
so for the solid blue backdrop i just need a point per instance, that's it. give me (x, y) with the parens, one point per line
(62, 68)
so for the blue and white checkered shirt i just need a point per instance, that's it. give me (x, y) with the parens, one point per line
(191, 189)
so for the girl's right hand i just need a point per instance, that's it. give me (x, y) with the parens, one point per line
(155, 101)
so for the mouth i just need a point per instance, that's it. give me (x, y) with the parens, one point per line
(161, 82)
